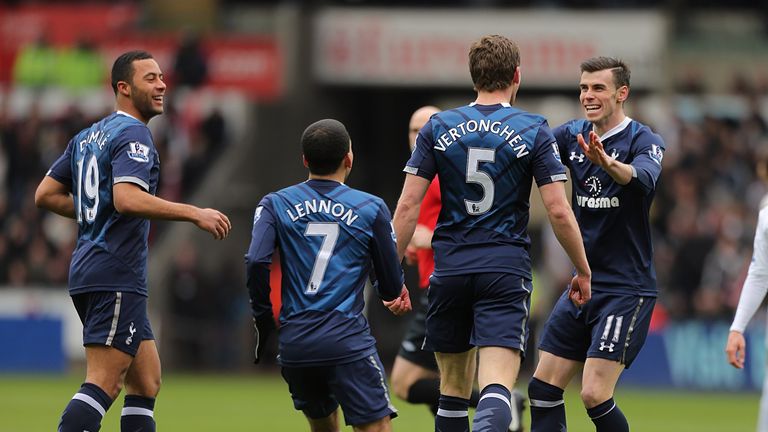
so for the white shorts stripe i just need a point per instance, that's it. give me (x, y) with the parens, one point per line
(497, 396)
(115, 317)
(137, 411)
(450, 413)
(90, 401)
(546, 404)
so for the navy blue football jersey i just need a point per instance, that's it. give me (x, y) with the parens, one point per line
(486, 157)
(111, 250)
(614, 219)
(330, 238)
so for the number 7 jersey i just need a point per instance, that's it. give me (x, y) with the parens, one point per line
(111, 250)
(330, 238)
(486, 157)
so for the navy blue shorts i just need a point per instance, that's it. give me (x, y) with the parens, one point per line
(360, 387)
(116, 319)
(413, 341)
(483, 309)
(610, 326)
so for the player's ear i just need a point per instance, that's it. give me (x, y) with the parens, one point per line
(622, 93)
(304, 160)
(124, 88)
(516, 77)
(348, 158)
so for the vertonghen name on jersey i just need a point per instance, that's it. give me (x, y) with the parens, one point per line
(471, 126)
(322, 206)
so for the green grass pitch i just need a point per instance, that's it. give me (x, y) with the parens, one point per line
(260, 402)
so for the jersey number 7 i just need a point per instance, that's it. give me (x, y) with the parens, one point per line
(330, 233)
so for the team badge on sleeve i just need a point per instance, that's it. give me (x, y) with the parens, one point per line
(657, 154)
(257, 214)
(556, 152)
(138, 152)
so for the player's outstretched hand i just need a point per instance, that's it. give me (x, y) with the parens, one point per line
(736, 348)
(400, 305)
(594, 149)
(215, 222)
(581, 290)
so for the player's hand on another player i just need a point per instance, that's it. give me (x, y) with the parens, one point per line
(410, 255)
(400, 305)
(215, 222)
(736, 348)
(594, 150)
(580, 290)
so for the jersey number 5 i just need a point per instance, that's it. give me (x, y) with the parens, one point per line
(90, 186)
(330, 233)
(474, 175)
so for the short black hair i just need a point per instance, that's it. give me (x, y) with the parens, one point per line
(619, 69)
(122, 69)
(324, 144)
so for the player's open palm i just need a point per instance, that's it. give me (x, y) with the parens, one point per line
(594, 150)
(215, 222)
(736, 348)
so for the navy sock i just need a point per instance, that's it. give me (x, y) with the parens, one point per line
(474, 398)
(452, 414)
(547, 407)
(607, 417)
(85, 410)
(494, 409)
(138, 414)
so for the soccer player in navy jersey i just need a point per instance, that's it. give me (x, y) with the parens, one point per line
(330, 238)
(486, 154)
(106, 180)
(614, 163)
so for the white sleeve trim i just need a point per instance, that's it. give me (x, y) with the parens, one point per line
(756, 284)
(131, 179)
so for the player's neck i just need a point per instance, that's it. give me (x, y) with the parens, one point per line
(496, 97)
(337, 176)
(604, 126)
(131, 110)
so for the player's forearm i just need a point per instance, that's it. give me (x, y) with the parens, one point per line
(568, 234)
(422, 237)
(620, 172)
(404, 223)
(132, 201)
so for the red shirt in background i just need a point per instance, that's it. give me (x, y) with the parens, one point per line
(430, 210)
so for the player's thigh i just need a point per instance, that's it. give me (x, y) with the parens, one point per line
(406, 372)
(501, 310)
(555, 370)
(457, 372)
(381, 425)
(567, 332)
(144, 374)
(310, 390)
(449, 316)
(497, 365)
(599, 380)
(361, 389)
(619, 326)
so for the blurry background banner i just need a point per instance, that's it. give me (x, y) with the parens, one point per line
(428, 47)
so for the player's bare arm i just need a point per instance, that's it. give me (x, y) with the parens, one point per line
(595, 152)
(736, 348)
(422, 237)
(54, 196)
(568, 234)
(407, 212)
(130, 199)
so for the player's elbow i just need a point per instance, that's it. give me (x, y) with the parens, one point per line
(559, 214)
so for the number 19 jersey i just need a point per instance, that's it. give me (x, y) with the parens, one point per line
(486, 157)
(111, 251)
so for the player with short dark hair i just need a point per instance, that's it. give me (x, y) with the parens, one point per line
(615, 163)
(330, 237)
(486, 155)
(106, 180)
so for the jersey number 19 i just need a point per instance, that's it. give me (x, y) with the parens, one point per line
(90, 186)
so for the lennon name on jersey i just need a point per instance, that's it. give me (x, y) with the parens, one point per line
(471, 126)
(308, 207)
